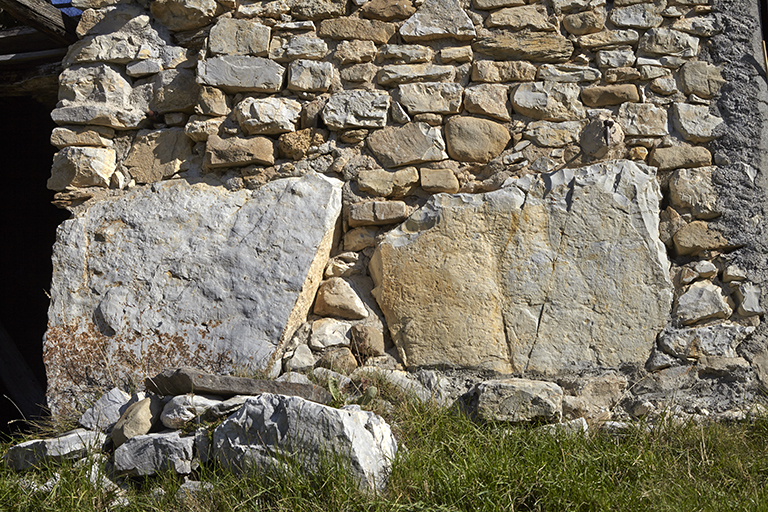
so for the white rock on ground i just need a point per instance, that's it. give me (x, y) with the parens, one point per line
(72, 445)
(518, 400)
(269, 427)
(153, 453)
(184, 408)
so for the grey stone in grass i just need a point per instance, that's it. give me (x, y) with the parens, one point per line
(269, 428)
(106, 411)
(153, 453)
(72, 445)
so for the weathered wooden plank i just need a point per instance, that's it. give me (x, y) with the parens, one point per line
(20, 58)
(38, 80)
(25, 39)
(44, 17)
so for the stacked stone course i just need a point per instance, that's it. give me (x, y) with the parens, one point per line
(403, 100)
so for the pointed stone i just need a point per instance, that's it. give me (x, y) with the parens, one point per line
(337, 298)
(438, 19)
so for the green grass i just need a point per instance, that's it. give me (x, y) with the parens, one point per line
(448, 462)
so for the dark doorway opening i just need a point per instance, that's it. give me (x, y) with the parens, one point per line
(28, 224)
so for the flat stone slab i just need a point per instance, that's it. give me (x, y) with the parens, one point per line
(71, 445)
(176, 274)
(181, 381)
(542, 281)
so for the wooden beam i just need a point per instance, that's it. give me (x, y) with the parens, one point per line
(23, 58)
(44, 17)
(41, 81)
(25, 39)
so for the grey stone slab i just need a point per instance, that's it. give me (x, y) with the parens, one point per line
(106, 411)
(154, 453)
(237, 73)
(72, 445)
(176, 273)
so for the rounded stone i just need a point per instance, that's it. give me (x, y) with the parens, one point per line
(471, 139)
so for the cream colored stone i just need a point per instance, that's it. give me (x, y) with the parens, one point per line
(506, 71)
(519, 18)
(602, 96)
(677, 157)
(376, 181)
(355, 51)
(491, 100)
(609, 38)
(538, 283)
(76, 166)
(532, 46)
(238, 151)
(355, 28)
(436, 181)
(692, 190)
(584, 23)
(97, 136)
(697, 237)
(335, 297)
(472, 139)
(554, 135)
(157, 155)
(199, 128)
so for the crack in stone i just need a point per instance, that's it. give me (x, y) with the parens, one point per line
(571, 187)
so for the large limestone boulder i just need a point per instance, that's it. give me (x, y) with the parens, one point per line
(184, 275)
(559, 269)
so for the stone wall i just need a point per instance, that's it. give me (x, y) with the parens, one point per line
(545, 189)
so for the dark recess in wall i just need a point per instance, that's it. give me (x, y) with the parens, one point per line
(28, 224)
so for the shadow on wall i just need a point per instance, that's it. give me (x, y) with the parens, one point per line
(28, 224)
